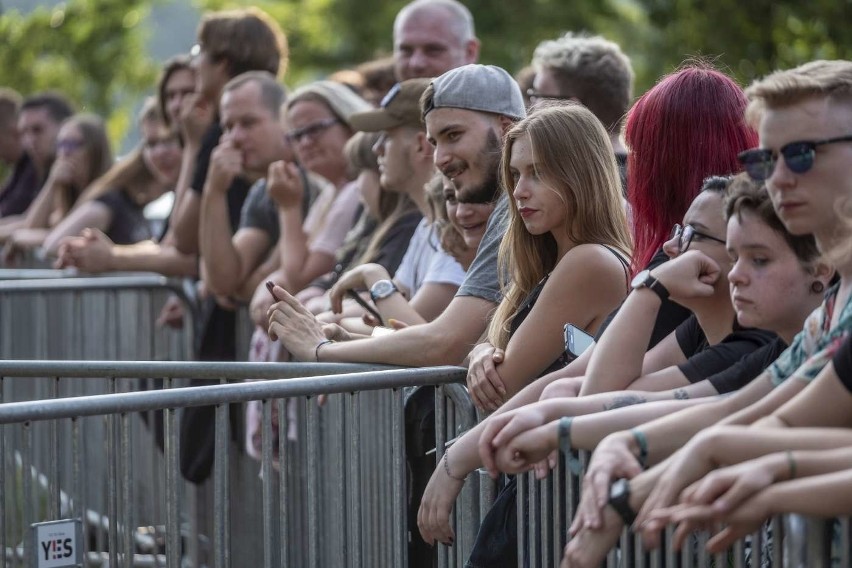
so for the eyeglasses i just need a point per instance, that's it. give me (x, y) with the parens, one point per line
(312, 129)
(759, 163)
(685, 234)
(533, 94)
(68, 145)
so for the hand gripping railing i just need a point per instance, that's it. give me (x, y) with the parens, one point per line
(377, 540)
(789, 541)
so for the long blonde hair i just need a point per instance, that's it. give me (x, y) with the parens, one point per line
(576, 160)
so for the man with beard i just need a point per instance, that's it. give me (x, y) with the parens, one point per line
(466, 110)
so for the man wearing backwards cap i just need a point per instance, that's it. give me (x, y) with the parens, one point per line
(427, 275)
(464, 148)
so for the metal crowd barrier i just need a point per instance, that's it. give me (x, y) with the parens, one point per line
(102, 318)
(548, 506)
(339, 499)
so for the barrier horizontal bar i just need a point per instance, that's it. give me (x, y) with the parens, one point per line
(139, 280)
(17, 412)
(35, 273)
(178, 369)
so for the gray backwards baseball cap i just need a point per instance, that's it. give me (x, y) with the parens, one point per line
(485, 88)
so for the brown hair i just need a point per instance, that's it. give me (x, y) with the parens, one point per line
(247, 38)
(172, 66)
(98, 155)
(745, 194)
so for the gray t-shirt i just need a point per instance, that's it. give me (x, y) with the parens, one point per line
(481, 280)
(260, 212)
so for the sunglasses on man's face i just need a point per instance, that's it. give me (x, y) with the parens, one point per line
(799, 157)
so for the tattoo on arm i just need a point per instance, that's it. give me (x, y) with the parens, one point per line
(681, 394)
(626, 400)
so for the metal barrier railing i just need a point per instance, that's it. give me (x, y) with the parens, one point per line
(103, 318)
(351, 515)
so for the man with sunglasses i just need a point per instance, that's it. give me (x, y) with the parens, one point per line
(804, 119)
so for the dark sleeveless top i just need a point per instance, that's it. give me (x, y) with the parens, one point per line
(528, 303)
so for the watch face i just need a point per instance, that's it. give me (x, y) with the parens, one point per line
(382, 289)
(619, 488)
(639, 280)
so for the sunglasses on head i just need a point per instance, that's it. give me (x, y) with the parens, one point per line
(799, 157)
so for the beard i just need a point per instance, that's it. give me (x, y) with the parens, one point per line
(487, 162)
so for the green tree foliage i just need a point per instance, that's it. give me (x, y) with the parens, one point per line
(90, 50)
(747, 39)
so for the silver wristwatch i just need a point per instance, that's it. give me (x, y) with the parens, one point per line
(382, 289)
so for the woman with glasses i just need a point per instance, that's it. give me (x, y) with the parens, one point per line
(316, 123)
(114, 203)
(82, 155)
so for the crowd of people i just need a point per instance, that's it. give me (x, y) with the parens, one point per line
(425, 209)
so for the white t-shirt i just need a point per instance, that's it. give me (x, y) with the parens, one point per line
(425, 261)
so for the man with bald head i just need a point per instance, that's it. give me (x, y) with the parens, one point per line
(430, 37)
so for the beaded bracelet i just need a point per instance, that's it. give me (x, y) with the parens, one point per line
(317, 348)
(446, 461)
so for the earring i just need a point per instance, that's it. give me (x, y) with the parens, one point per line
(817, 287)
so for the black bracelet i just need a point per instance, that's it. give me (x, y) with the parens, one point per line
(642, 442)
(317, 348)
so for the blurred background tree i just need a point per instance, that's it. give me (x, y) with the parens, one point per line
(96, 52)
(91, 50)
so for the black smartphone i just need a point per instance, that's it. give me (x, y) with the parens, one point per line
(576, 340)
(361, 302)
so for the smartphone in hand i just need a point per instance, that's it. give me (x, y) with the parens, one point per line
(576, 340)
(270, 285)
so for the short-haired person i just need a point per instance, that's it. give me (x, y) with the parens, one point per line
(114, 202)
(30, 128)
(249, 113)
(430, 37)
(592, 71)
(230, 43)
(804, 119)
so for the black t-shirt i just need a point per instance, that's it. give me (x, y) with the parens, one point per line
(705, 360)
(748, 368)
(669, 316)
(843, 363)
(128, 224)
(239, 189)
